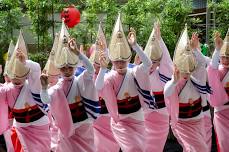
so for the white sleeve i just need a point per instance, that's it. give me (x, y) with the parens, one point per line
(169, 88)
(208, 60)
(200, 57)
(166, 63)
(145, 60)
(45, 97)
(99, 82)
(34, 76)
(87, 64)
(200, 72)
(215, 59)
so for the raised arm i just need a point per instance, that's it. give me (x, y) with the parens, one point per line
(45, 96)
(216, 55)
(34, 76)
(82, 57)
(99, 82)
(170, 86)
(215, 59)
(166, 63)
(146, 62)
(200, 70)
(87, 63)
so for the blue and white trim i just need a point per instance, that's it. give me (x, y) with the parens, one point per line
(37, 99)
(79, 70)
(93, 108)
(202, 89)
(131, 65)
(148, 98)
(163, 78)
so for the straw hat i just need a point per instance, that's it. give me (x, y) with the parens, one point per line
(9, 54)
(119, 48)
(225, 48)
(64, 56)
(184, 58)
(15, 68)
(50, 67)
(153, 49)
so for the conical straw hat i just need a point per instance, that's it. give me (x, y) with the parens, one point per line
(50, 67)
(119, 48)
(224, 51)
(64, 56)
(153, 49)
(15, 68)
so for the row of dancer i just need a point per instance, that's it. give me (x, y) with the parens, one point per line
(122, 108)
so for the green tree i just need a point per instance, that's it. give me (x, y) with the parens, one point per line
(221, 18)
(96, 11)
(10, 14)
(141, 17)
(173, 19)
(173, 14)
(39, 13)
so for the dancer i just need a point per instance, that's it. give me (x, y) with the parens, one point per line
(218, 80)
(70, 99)
(30, 131)
(185, 95)
(119, 89)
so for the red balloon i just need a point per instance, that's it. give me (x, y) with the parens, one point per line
(71, 16)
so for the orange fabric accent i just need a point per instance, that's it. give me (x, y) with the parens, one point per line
(25, 110)
(127, 99)
(15, 141)
(189, 104)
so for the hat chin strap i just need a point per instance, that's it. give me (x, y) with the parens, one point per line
(121, 70)
(67, 78)
(18, 85)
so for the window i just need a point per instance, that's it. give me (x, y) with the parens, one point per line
(198, 4)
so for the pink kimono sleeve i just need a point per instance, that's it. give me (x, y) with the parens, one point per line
(172, 102)
(219, 95)
(61, 113)
(108, 93)
(4, 122)
(166, 63)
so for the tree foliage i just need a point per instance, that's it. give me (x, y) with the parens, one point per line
(39, 13)
(10, 13)
(173, 14)
(221, 16)
(173, 19)
(140, 14)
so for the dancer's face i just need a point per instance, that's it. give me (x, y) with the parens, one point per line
(18, 82)
(224, 60)
(120, 66)
(185, 76)
(67, 71)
